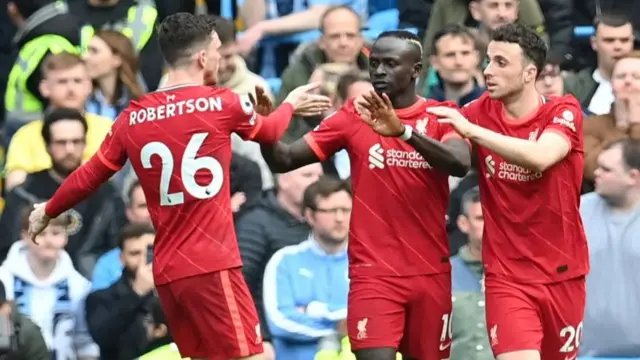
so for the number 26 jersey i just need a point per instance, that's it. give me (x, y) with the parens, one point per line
(178, 142)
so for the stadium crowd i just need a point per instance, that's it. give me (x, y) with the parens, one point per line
(69, 68)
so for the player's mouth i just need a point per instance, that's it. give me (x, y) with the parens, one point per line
(380, 85)
(491, 86)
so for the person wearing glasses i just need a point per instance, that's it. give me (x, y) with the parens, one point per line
(306, 285)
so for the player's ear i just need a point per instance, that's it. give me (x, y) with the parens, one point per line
(417, 70)
(202, 58)
(530, 73)
(463, 224)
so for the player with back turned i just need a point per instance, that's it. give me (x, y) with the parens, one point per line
(530, 159)
(178, 142)
(400, 289)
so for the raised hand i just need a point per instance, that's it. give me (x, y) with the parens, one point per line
(261, 103)
(447, 115)
(38, 221)
(307, 104)
(381, 117)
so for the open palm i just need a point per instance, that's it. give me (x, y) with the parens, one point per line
(382, 116)
(261, 103)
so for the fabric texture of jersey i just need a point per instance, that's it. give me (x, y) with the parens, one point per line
(178, 142)
(532, 227)
(399, 201)
(54, 304)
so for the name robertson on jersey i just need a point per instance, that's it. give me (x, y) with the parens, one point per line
(179, 108)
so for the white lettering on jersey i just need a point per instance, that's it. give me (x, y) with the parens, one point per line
(183, 107)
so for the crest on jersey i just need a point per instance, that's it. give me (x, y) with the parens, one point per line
(421, 126)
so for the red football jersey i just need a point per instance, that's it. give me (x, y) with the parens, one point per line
(400, 202)
(532, 226)
(178, 142)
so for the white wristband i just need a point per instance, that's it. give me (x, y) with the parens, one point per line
(408, 131)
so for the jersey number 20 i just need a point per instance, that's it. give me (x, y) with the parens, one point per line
(190, 165)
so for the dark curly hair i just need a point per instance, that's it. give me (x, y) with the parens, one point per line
(182, 34)
(533, 46)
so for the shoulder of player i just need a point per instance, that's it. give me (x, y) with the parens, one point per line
(557, 105)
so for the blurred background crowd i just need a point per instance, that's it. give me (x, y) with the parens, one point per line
(68, 68)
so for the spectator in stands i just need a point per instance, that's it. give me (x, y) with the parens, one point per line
(43, 25)
(611, 218)
(350, 85)
(341, 42)
(275, 222)
(623, 121)
(135, 19)
(116, 315)
(486, 15)
(271, 17)
(234, 74)
(44, 285)
(469, 329)
(246, 184)
(109, 267)
(66, 84)
(31, 344)
(414, 14)
(95, 221)
(327, 75)
(550, 82)
(456, 61)
(613, 39)
(306, 285)
(113, 66)
(161, 345)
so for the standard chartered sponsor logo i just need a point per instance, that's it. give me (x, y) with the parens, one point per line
(379, 158)
(506, 171)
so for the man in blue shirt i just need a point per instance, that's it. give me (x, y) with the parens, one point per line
(306, 285)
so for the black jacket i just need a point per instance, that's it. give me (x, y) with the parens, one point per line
(94, 230)
(559, 23)
(245, 177)
(115, 319)
(45, 21)
(263, 230)
(31, 344)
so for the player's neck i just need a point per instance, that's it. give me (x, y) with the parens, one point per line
(521, 105)
(180, 77)
(404, 100)
(41, 269)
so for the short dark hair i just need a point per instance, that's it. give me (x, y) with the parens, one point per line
(454, 30)
(134, 231)
(630, 152)
(470, 197)
(613, 19)
(225, 29)
(533, 46)
(324, 187)
(180, 34)
(404, 35)
(58, 114)
(333, 9)
(347, 79)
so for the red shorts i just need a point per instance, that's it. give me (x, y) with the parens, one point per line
(543, 317)
(410, 314)
(212, 316)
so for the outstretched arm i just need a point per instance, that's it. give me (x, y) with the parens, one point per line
(452, 156)
(283, 158)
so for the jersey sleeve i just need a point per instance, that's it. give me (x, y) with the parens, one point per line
(112, 152)
(331, 135)
(566, 119)
(244, 120)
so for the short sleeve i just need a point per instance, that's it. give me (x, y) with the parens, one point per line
(245, 121)
(566, 119)
(112, 152)
(330, 136)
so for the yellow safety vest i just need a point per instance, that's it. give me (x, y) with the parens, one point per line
(167, 352)
(138, 27)
(19, 102)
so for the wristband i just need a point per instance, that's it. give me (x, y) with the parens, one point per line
(408, 131)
